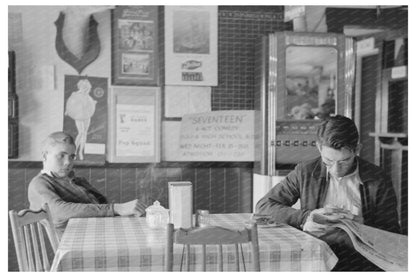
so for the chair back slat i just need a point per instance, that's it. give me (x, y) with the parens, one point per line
(220, 258)
(255, 249)
(204, 257)
(188, 257)
(169, 248)
(212, 235)
(29, 239)
(237, 259)
(45, 260)
(19, 241)
(50, 229)
(29, 252)
(38, 263)
(242, 257)
(182, 257)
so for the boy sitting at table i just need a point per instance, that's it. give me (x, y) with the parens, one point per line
(69, 196)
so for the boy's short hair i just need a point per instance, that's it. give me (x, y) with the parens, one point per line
(55, 138)
(338, 132)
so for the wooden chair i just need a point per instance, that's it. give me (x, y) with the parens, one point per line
(212, 235)
(29, 240)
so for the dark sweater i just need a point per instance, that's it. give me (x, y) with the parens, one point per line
(67, 198)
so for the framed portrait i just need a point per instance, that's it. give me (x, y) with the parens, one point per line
(134, 135)
(135, 45)
(191, 45)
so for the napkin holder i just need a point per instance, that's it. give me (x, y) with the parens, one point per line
(180, 204)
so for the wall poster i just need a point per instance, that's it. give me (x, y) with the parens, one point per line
(191, 53)
(134, 125)
(85, 116)
(134, 45)
(134, 130)
(217, 136)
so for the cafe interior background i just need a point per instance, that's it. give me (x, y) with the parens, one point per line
(226, 97)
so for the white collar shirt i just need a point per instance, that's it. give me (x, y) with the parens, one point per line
(344, 192)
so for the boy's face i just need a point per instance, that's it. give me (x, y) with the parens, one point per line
(59, 159)
(338, 162)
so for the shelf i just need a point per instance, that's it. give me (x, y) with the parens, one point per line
(389, 135)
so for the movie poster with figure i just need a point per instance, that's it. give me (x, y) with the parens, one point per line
(134, 45)
(191, 43)
(85, 116)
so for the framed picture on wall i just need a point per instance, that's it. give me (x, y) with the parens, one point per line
(191, 42)
(134, 135)
(135, 45)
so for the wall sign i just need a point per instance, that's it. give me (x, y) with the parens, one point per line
(191, 45)
(217, 136)
(134, 125)
(134, 130)
(134, 45)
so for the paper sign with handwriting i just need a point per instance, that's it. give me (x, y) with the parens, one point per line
(217, 136)
(135, 131)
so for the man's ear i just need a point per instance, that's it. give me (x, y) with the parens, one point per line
(319, 146)
(44, 153)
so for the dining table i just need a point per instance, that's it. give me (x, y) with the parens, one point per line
(128, 244)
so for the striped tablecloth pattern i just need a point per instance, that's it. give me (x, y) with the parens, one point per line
(128, 244)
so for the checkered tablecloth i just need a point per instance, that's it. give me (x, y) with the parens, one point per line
(128, 244)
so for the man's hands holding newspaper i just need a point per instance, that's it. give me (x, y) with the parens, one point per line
(316, 225)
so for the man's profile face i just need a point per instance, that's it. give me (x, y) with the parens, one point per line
(59, 159)
(338, 162)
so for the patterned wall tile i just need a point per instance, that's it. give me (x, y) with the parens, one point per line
(239, 28)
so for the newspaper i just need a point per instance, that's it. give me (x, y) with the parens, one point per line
(387, 250)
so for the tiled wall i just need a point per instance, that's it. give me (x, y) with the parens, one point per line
(218, 187)
(239, 28)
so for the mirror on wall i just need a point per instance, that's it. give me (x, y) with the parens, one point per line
(311, 81)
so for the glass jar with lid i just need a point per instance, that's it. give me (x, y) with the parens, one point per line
(157, 216)
(202, 218)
